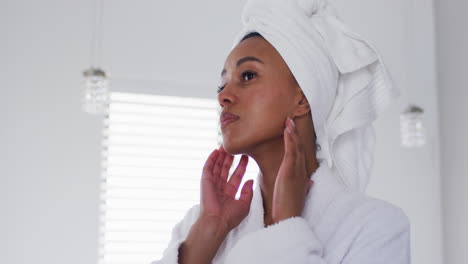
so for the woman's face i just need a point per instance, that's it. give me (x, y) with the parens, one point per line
(257, 86)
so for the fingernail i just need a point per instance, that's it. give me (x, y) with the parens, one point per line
(292, 122)
(289, 130)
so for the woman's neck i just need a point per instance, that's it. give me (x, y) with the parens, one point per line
(269, 157)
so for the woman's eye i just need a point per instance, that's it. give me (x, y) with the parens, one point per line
(220, 88)
(247, 75)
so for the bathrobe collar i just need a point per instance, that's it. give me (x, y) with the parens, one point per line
(326, 186)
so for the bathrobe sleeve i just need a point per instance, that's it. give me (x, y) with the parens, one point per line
(382, 239)
(178, 235)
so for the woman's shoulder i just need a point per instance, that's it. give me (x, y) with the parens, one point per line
(385, 210)
(357, 227)
(372, 211)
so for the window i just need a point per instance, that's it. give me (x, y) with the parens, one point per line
(154, 149)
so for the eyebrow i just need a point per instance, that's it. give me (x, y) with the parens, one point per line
(245, 59)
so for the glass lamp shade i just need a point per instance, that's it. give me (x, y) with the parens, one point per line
(411, 127)
(95, 87)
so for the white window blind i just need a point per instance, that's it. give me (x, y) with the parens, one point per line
(154, 149)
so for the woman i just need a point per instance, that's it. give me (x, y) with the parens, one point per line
(299, 93)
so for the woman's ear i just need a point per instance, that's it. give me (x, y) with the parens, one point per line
(302, 106)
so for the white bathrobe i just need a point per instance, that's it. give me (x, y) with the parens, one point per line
(337, 225)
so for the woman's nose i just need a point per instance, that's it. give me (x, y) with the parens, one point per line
(225, 97)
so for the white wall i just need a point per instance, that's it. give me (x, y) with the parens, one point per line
(51, 149)
(3, 185)
(51, 166)
(453, 97)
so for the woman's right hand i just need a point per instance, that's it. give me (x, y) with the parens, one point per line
(217, 198)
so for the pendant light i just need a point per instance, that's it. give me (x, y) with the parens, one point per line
(95, 85)
(412, 132)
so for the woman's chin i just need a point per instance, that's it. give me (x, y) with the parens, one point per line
(232, 148)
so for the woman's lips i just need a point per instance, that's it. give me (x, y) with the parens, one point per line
(228, 121)
(227, 118)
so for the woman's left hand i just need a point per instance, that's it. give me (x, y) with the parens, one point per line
(292, 182)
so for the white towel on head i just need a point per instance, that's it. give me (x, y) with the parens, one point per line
(342, 76)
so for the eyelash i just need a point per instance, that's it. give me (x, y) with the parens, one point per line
(243, 74)
(220, 88)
